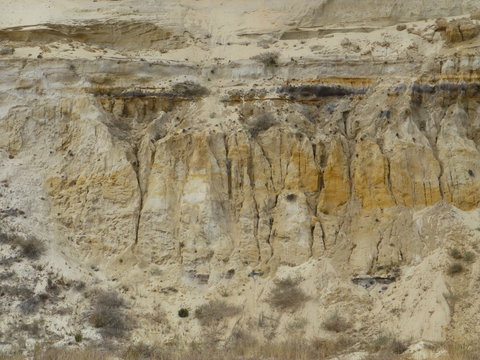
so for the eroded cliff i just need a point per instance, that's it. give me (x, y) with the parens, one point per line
(205, 151)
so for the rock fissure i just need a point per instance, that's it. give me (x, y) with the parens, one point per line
(136, 169)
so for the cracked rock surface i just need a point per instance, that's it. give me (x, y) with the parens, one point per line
(144, 143)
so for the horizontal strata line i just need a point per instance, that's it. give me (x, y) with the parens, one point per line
(307, 62)
(320, 90)
(307, 92)
(447, 86)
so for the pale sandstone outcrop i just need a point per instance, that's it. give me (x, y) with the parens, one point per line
(171, 165)
(461, 30)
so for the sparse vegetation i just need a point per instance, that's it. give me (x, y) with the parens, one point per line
(336, 323)
(388, 344)
(30, 305)
(6, 275)
(324, 348)
(31, 247)
(241, 339)
(19, 292)
(5, 238)
(189, 89)
(383, 356)
(462, 352)
(268, 59)
(469, 256)
(291, 197)
(294, 348)
(7, 50)
(69, 354)
(297, 324)
(183, 313)
(455, 253)
(455, 268)
(287, 294)
(108, 314)
(142, 351)
(245, 348)
(214, 311)
(78, 285)
(34, 329)
(78, 337)
(261, 123)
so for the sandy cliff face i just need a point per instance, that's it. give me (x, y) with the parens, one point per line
(169, 150)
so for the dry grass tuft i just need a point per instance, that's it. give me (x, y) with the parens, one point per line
(67, 354)
(327, 348)
(469, 256)
(268, 59)
(108, 314)
(454, 269)
(336, 323)
(287, 294)
(12, 357)
(384, 357)
(389, 344)
(141, 351)
(294, 348)
(462, 352)
(240, 340)
(214, 311)
(455, 253)
(261, 123)
(5, 238)
(30, 246)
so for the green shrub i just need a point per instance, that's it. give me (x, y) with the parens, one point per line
(455, 268)
(78, 337)
(287, 294)
(183, 313)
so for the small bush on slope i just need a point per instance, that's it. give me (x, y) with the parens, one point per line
(287, 294)
(108, 314)
(214, 311)
(336, 323)
(455, 268)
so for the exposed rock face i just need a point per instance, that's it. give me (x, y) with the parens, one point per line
(461, 30)
(165, 148)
